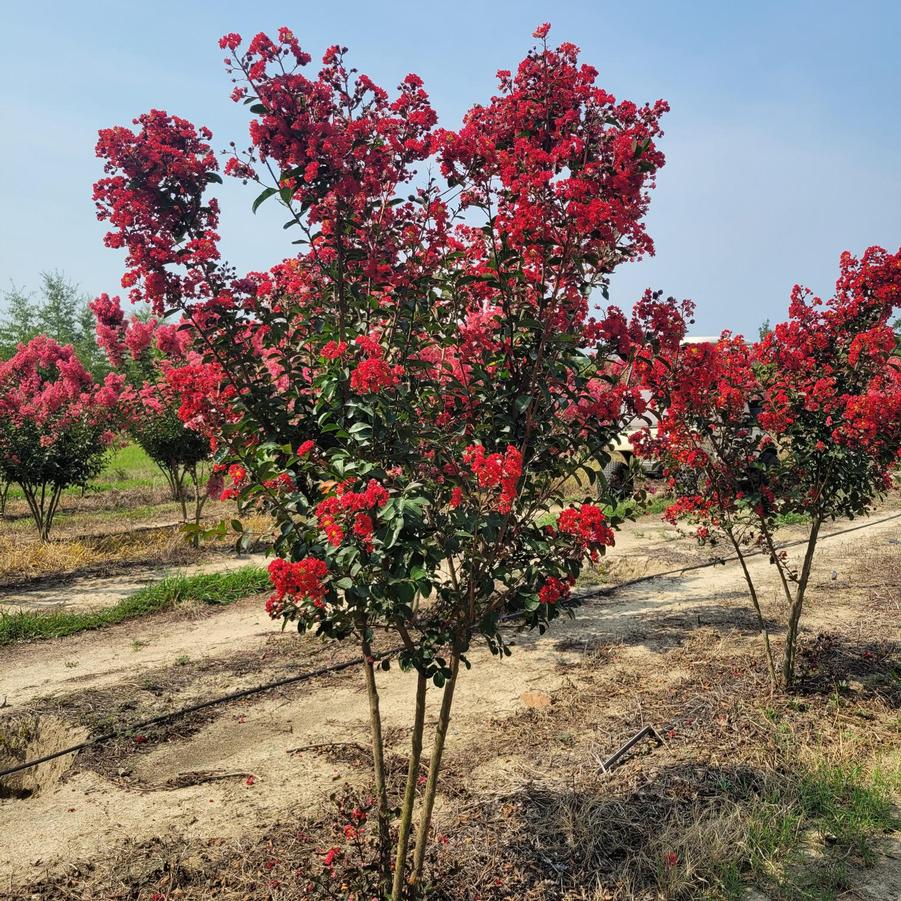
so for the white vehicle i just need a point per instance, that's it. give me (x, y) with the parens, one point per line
(620, 470)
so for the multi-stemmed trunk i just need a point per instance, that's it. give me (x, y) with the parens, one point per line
(406, 811)
(428, 797)
(794, 597)
(178, 477)
(43, 501)
(378, 759)
(796, 605)
(761, 621)
(401, 884)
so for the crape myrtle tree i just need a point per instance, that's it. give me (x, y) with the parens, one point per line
(413, 388)
(807, 421)
(55, 424)
(716, 459)
(144, 351)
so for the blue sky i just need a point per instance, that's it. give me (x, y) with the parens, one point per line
(782, 144)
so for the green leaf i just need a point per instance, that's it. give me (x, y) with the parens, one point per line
(264, 195)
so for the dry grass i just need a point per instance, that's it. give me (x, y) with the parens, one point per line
(729, 800)
(23, 561)
(27, 560)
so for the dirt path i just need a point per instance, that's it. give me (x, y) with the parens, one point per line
(198, 782)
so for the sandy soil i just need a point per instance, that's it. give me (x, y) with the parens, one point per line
(195, 782)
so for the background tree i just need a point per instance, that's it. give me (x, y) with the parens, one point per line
(61, 312)
(55, 424)
(806, 422)
(142, 350)
(832, 403)
(716, 459)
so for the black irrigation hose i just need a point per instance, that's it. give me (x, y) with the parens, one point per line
(722, 561)
(347, 664)
(155, 721)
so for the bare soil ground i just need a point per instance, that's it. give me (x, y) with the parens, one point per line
(220, 804)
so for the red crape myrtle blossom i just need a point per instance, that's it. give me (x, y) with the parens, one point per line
(411, 391)
(295, 583)
(805, 422)
(143, 351)
(153, 198)
(55, 424)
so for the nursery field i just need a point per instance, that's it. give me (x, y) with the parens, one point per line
(433, 562)
(748, 796)
(123, 529)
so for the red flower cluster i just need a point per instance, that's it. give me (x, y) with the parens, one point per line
(304, 580)
(828, 371)
(496, 471)
(153, 198)
(576, 175)
(554, 590)
(206, 396)
(45, 388)
(588, 525)
(339, 141)
(374, 374)
(333, 511)
(238, 476)
(688, 505)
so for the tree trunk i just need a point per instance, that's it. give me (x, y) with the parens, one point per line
(406, 811)
(378, 759)
(42, 508)
(428, 798)
(752, 590)
(794, 618)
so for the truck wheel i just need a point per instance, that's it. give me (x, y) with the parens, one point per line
(617, 482)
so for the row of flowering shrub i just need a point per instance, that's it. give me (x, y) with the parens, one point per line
(57, 422)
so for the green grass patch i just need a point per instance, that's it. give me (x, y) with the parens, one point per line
(204, 588)
(792, 519)
(128, 467)
(804, 837)
(652, 505)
